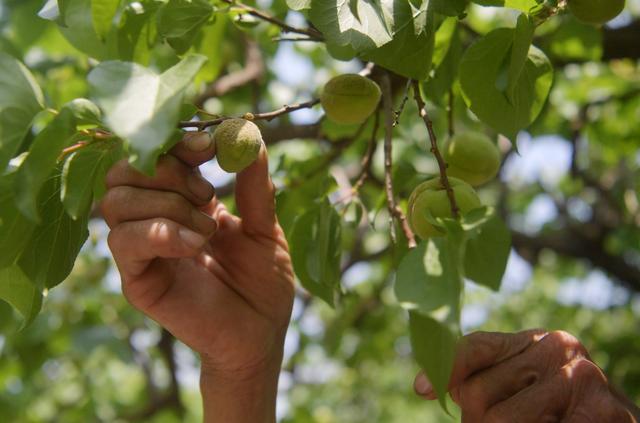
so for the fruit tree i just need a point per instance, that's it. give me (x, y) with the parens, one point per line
(441, 166)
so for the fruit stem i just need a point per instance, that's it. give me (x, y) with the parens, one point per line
(444, 180)
(394, 211)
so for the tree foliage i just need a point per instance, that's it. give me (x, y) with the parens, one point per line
(85, 83)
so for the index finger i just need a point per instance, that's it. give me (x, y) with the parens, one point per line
(481, 350)
(255, 197)
(195, 148)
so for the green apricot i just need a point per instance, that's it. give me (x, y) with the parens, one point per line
(431, 196)
(350, 98)
(238, 144)
(472, 157)
(596, 11)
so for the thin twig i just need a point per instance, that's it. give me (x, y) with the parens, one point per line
(394, 210)
(310, 32)
(450, 112)
(444, 180)
(398, 113)
(365, 170)
(295, 39)
(365, 164)
(268, 116)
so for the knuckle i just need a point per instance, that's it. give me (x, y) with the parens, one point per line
(114, 202)
(565, 345)
(160, 232)
(484, 344)
(585, 372)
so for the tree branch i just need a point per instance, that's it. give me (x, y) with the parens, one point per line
(312, 33)
(444, 180)
(574, 243)
(268, 116)
(394, 210)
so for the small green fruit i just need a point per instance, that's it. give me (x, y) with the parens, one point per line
(596, 11)
(472, 157)
(431, 196)
(238, 144)
(350, 98)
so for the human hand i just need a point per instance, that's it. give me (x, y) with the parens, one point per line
(530, 376)
(222, 284)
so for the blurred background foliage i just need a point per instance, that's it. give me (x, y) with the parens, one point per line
(570, 197)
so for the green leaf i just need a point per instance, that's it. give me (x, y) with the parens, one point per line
(299, 4)
(429, 284)
(141, 106)
(434, 348)
(443, 39)
(523, 36)
(291, 203)
(54, 245)
(446, 73)
(361, 24)
(137, 33)
(210, 44)
(316, 250)
(410, 52)
(523, 5)
(43, 154)
(487, 251)
(429, 279)
(85, 112)
(481, 70)
(78, 29)
(450, 7)
(20, 100)
(103, 12)
(17, 290)
(82, 172)
(15, 228)
(179, 21)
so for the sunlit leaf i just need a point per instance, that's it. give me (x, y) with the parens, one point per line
(20, 100)
(142, 106)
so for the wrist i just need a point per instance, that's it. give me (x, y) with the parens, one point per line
(244, 394)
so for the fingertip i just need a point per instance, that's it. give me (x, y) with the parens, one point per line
(195, 148)
(423, 387)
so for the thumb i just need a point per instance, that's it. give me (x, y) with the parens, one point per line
(255, 197)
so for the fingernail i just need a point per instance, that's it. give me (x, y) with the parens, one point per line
(191, 239)
(423, 385)
(197, 141)
(200, 187)
(204, 222)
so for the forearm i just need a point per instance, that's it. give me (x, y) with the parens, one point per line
(232, 398)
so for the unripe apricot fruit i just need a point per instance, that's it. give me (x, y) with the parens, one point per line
(472, 157)
(431, 196)
(596, 11)
(238, 144)
(350, 98)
